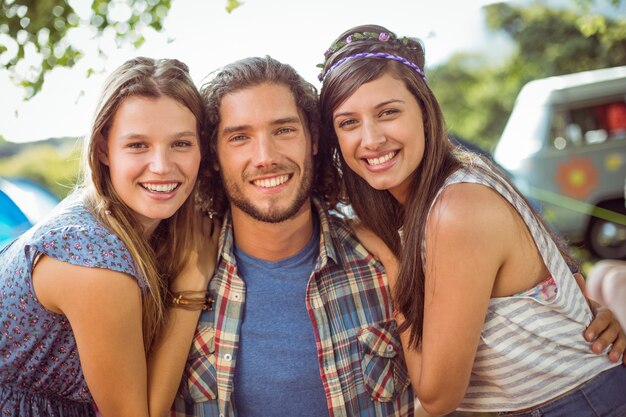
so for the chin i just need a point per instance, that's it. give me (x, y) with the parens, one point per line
(157, 217)
(380, 186)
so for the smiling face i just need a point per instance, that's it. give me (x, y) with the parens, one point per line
(153, 154)
(381, 134)
(265, 153)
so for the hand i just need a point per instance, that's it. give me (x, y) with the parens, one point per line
(200, 265)
(604, 331)
(378, 249)
(606, 284)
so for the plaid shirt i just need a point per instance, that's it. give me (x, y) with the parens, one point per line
(348, 300)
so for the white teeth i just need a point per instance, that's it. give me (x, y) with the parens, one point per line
(382, 159)
(160, 188)
(271, 182)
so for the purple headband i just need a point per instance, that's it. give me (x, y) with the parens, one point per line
(375, 55)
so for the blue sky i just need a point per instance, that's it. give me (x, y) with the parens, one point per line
(203, 35)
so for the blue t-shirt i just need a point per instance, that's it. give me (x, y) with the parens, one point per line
(277, 371)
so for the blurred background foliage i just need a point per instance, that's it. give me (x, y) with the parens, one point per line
(477, 93)
(53, 163)
(34, 33)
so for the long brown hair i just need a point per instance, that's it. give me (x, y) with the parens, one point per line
(163, 255)
(377, 209)
(250, 72)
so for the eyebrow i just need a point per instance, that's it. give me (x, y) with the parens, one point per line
(277, 122)
(379, 105)
(135, 136)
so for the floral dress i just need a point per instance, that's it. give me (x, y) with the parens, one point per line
(40, 373)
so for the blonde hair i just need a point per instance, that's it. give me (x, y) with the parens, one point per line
(163, 255)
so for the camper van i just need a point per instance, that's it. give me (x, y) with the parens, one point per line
(565, 148)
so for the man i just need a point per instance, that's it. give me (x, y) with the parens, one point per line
(302, 320)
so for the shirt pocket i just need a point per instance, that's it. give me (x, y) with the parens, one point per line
(382, 363)
(200, 378)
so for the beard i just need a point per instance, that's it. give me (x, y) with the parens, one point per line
(273, 214)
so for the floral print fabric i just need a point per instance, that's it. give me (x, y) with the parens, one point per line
(40, 373)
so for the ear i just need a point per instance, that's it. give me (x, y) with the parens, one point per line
(102, 150)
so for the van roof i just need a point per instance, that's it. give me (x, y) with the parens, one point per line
(576, 86)
(523, 133)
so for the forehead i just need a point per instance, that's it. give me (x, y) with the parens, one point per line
(264, 102)
(374, 92)
(162, 111)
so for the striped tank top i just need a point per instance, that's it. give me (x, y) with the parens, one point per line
(531, 349)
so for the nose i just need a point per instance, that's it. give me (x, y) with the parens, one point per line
(265, 152)
(372, 136)
(161, 161)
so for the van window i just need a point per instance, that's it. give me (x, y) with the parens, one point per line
(588, 124)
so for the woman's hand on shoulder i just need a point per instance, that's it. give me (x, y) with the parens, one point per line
(378, 248)
(200, 266)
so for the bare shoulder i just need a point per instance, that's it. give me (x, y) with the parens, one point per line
(472, 218)
(470, 207)
(57, 283)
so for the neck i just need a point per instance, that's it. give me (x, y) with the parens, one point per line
(149, 228)
(400, 197)
(273, 241)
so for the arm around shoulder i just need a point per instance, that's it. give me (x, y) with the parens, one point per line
(168, 357)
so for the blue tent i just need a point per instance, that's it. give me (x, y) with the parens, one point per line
(22, 204)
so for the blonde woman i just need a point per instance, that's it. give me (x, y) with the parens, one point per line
(90, 298)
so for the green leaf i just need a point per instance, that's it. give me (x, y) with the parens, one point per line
(232, 5)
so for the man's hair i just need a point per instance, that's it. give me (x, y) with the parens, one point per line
(251, 72)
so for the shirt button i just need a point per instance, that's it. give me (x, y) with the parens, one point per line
(236, 296)
(228, 357)
(389, 348)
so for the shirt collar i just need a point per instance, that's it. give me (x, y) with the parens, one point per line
(327, 238)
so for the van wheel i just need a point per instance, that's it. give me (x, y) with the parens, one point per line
(607, 239)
